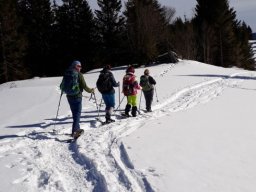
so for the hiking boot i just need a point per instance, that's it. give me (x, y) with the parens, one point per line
(134, 111)
(110, 120)
(77, 133)
(127, 109)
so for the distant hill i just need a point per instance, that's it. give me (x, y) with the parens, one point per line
(254, 36)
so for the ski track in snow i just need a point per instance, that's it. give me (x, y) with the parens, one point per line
(98, 161)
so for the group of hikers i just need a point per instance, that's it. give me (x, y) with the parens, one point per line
(73, 84)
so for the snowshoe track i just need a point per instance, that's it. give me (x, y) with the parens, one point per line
(98, 161)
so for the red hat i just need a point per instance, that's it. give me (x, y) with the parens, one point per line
(130, 69)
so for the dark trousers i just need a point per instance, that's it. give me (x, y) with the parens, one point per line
(149, 98)
(75, 104)
(109, 100)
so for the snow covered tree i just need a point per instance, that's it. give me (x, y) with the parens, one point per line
(12, 43)
(110, 26)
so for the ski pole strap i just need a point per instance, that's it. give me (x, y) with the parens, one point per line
(96, 104)
(95, 100)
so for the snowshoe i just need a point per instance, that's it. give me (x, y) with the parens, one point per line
(125, 115)
(74, 136)
(108, 121)
(78, 133)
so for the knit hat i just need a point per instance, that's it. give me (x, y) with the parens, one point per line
(75, 63)
(146, 72)
(107, 67)
(130, 70)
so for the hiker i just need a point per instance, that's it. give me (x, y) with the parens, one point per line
(73, 84)
(130, 87)
(105, 84)
(147, 83)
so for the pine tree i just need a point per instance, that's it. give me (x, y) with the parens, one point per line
(183, 38)
(243, 35)
(146, 25)
(12, 43)
(38, 19)
(216, 37)
(110, 25)
(206, 36)
(75, 33)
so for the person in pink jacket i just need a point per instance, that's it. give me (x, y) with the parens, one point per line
(130, 89)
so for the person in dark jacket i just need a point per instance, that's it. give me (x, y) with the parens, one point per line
(75, 101)
(108, 91)
(147, 83)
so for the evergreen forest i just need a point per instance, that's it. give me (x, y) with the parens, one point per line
(42, 37)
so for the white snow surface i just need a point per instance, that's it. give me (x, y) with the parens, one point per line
(253, 43)
(200, 136)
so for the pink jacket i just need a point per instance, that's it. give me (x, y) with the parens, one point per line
(135, 84)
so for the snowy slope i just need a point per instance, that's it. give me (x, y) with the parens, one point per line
(199, 137)
(253, 44)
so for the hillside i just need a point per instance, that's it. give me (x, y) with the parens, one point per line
(200, 136)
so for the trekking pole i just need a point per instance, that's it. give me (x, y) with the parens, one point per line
(90, 97)
(140, 100)
(119, 94)
(100, 103)
(156, 95)
(119, 104)
(57, 110)
(96, 104)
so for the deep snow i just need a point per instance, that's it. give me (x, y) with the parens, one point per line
(199, 137)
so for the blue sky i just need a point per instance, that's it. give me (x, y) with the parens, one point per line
(246, 9)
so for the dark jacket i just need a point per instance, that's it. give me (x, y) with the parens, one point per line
(151, 81)
(112, 79)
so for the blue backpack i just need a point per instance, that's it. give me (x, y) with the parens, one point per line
(70, 84)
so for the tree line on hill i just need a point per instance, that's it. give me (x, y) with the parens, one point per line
(41, 37)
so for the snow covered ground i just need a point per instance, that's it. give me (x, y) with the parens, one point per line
(200, 136)
(253, 43)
